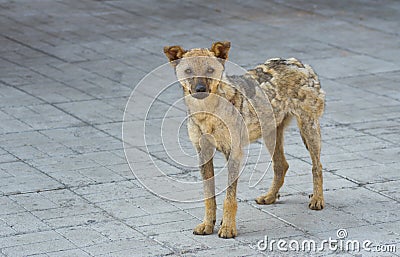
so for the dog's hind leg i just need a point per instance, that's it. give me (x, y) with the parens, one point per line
(311, 135)
(279, 165)
(206, 151)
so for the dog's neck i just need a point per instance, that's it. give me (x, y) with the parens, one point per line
(204, 106)
(225, 89)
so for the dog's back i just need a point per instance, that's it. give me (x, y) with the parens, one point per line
(292, 87)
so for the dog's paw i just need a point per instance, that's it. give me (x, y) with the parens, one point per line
(203, 229)
(227, 231)
(267, 199)
(317, 202)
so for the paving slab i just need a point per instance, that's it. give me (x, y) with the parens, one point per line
(68, 68)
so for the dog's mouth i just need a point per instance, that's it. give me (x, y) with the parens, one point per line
(199, 95)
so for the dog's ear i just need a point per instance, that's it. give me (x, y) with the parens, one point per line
(221, 49)
(174, 52)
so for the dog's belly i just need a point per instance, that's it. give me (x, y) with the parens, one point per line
(254, 131)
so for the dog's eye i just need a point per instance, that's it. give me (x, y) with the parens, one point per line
(210, 70)
(188, 71)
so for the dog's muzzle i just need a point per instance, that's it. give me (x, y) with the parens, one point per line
(200, 91)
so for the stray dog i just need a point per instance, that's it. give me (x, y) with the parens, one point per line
(228, 112)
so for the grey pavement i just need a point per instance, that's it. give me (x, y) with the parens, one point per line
(67, 69)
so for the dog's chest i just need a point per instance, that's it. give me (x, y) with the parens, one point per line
(214, 125)
(227, 128)
(222, 134)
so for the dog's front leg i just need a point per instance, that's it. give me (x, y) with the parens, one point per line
(206, 151)
(228, 228)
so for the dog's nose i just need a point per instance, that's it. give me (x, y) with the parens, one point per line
(200, 88)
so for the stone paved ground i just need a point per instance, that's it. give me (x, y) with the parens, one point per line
(67, 69)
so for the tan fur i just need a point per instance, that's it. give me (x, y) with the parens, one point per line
(233, 111)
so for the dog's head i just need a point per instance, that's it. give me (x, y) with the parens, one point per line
(199, 70)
